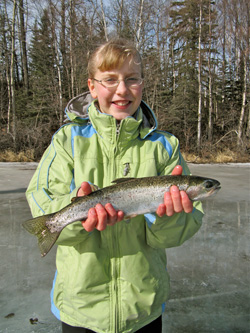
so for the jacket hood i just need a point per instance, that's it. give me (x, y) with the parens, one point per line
(77, 111)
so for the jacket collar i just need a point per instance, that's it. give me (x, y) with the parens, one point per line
(81, 109)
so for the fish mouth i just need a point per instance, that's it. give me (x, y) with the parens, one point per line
(211, 186)
(215, 189)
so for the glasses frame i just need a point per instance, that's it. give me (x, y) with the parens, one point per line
(117, 82)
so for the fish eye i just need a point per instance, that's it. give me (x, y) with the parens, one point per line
(209, 184)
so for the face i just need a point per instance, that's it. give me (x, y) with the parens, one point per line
(120, 101)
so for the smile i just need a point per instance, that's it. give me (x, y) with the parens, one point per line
(120, 103)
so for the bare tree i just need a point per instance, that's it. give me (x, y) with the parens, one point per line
(23, 46)
(104, 21)
(12, 77)
(57, 63)
(72, 43)
(199, 81)
(243, 106)
(210, 104)
(139, 22)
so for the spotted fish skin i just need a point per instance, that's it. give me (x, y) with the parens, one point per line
(134, 196)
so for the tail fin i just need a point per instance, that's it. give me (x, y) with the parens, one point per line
(46, 239)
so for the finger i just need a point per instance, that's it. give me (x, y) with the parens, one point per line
(161, 210)
(120, 215)
(85, 189)
(102, 217)
(176, 198)
(90, 223)
(169, 204)
(186, 202)
(177, 171)
(112, 214)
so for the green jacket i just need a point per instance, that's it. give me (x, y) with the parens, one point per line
(114, 280)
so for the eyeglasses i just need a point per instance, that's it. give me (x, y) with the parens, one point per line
(130, 82)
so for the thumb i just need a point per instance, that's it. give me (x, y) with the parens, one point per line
(177, 171)
(85, 189)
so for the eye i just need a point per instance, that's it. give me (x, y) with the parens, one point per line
(132, 80)
(209, 184)
(110, 80)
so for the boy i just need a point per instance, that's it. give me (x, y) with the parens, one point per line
(111, 274)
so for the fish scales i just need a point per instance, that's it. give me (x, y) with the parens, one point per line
(126, 199)
(134, 196)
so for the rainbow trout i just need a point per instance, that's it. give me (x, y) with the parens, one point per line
(134, 196)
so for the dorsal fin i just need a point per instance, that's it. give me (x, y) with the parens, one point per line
(122, 180)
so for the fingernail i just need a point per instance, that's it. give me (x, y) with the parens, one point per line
(92, 211)
(174, 189)
(182, 193)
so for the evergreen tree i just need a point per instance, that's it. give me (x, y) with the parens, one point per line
(189, 39)
(42, 69)
(196, 64)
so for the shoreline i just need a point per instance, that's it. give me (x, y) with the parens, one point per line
(35, 164)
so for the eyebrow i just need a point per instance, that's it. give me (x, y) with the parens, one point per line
(115, 74)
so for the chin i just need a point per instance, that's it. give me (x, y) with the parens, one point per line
(120, 117)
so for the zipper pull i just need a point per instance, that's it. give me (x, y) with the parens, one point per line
(126, 169)
(118, 129)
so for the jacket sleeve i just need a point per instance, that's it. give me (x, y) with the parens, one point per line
(166, 232)
(52, 185)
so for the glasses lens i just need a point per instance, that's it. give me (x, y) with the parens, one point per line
(110, 83)
(133, 82)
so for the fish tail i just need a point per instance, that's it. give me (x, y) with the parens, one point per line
(38, 227)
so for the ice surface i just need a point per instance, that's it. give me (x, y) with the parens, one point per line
(210, 274)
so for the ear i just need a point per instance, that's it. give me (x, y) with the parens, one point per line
(92, 88)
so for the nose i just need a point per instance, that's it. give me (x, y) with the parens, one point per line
(121, 88)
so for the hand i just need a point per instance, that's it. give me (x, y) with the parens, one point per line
(99, 216)
(175, 201)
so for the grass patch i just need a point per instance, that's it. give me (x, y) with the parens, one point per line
(225, 155)
(222, 156)
(23, 156)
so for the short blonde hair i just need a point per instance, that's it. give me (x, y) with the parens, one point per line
(111, 55)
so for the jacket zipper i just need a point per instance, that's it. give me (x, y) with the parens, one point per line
(113, 243)
(114, 275)
(112, 153)
(118, 128)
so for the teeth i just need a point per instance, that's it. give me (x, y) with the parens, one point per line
(122, 103)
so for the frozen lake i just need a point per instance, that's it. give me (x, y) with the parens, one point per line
(210, 274)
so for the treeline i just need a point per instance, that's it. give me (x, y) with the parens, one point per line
(196, 65)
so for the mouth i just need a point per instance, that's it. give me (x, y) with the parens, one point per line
(121, 103)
